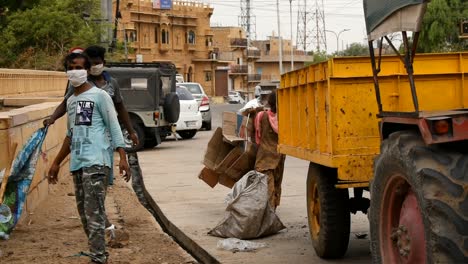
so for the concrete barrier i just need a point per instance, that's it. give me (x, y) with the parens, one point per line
(17, 82)
(27, 97)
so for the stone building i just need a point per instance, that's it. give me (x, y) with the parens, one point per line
(180, 35)
(267, 66)
(231, 49)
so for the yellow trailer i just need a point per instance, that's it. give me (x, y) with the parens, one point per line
(328, 111)
(328, 114)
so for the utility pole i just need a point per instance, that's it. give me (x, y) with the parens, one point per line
(116, 23)
(338, 37)
(292, 46)
(279, 38)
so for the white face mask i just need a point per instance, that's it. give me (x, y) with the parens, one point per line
(77, 77)
(96, 70)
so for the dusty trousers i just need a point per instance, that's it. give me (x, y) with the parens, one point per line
(90, 193)
(275, 177)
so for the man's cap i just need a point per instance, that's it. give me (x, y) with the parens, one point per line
(76, 50)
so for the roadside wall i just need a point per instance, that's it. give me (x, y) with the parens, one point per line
(26, 98)
(14, 82)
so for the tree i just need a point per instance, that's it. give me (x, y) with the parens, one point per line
(40, 36)
(355, 49)
(319, 56)
(441, 26)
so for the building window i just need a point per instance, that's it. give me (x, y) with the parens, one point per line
(208, 42)
(191, 37)
(165, 36)
(131, 36)
(156, 34)
(207, 76)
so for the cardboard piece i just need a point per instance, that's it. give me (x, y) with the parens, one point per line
(217, 150)
(209, 176)
(228, 160)
(226, 181)
(246, 128)
(244, 164)
(231, 124)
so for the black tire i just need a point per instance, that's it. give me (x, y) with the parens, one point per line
(329, 230)
(151, 143)
(208, 126)
(171, 108)
(438, 178)
(187, 134)
(141, 138)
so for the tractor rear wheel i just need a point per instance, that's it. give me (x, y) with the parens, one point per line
(419, 204)
(328, 213)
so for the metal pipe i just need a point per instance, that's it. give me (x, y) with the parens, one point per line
(279, 38)
(376, 79)
(292, 47)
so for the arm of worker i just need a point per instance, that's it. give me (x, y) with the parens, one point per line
(58, 113)
(122, 113)
(107, 110)
(55, 167)
(124, 118)
(62, 108)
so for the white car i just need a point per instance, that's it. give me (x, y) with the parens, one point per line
(203, 101)
(179, 78)
(190, 118)
(235, 97)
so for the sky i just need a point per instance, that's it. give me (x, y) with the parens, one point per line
(339, 15)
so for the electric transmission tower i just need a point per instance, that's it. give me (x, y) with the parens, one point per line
(247, 20)
(302, 39)
(311, 25)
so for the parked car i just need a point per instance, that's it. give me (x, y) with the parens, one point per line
(179, 78)
(203, 101)
(149, 94)
(190, 118)
(235, 98)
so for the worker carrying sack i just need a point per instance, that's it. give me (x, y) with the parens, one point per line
(248, 214)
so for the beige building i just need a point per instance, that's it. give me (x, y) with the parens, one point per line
(217, 58)
(257, 64)
(267, 66)
(231, 49)
(181, 35)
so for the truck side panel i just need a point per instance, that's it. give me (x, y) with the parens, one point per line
(328, 111)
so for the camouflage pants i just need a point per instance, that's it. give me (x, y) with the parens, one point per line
(90, 192)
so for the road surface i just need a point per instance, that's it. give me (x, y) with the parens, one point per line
(171, 176)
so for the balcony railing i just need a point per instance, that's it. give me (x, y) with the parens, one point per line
(254, 77)
(286, 52)
(270, 77)
(239, 69)
(163, 47)
(190, 47)
(253, 54)
(227, 56)
(239, 42)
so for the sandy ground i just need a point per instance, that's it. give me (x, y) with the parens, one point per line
(54, 233)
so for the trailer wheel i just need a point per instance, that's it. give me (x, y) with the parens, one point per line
(328, 214)
(419, 204)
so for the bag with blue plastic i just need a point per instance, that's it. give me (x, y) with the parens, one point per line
(16, 182)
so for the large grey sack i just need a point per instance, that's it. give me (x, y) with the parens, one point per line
(248, 214)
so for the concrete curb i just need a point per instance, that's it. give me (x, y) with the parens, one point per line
(138, 185)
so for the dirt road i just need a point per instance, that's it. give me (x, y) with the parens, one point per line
(54, 233)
